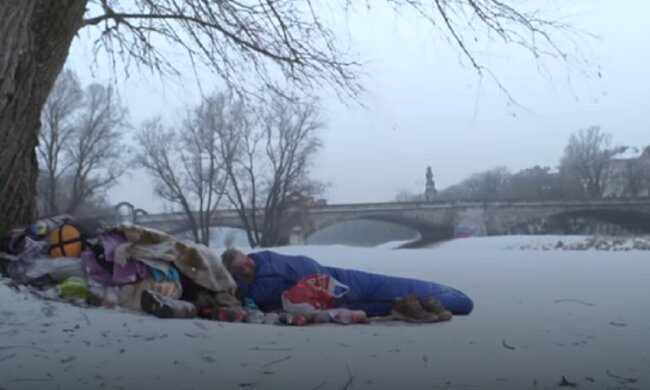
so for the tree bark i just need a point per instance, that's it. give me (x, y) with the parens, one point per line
(34, 44)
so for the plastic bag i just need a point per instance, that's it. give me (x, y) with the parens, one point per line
(74, 287)
(32, 249)
(26, 271)
(313, 294)
(58, 269)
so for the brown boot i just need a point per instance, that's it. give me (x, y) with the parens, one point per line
(433, 305)
(409, 309)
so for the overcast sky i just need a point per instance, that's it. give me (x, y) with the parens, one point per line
(424, 108)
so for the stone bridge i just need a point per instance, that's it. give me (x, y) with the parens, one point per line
(436, 220)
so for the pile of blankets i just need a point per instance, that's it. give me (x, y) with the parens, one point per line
(117, 264)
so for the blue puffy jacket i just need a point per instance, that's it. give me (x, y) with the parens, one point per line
(372, 293)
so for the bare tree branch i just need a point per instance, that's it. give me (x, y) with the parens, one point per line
(588, 154)
(268, 161)
(185, 164)
(260, 40)
(237, 40)
(95, 150)
(57, 120)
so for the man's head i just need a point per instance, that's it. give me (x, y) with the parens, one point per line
(239, 265)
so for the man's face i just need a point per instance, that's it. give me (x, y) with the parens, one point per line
(243, 268)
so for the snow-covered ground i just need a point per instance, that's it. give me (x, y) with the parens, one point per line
(540, 315)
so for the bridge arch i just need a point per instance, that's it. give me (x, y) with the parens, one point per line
(427, 230)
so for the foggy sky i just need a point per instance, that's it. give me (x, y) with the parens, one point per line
(424, 108)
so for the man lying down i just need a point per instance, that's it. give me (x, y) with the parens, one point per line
(263, 276)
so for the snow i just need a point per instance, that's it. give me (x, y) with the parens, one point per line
(393, 244)
(540, 315)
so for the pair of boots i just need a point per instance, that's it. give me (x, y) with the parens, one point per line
(429, 309)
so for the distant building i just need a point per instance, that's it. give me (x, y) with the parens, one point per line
(628, 177)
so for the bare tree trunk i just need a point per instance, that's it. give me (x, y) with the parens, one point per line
(51, 194)
(35, 38)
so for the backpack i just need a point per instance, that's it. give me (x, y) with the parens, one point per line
(66, 236)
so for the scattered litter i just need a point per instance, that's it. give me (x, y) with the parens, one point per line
(622, 378)
(574, 301)
(7, 357)
(276, 361)
(565, 383)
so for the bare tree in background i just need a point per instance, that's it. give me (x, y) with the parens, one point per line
(534, 184)
(80, 145)
(268, 162)
(239, 41)
(207, 177)
(405, 195)
(185, 164)
(484, 186)
(95, 149)
(291, 128)
(587, 156)
(159, 155)
(58, 121)
(490, 185)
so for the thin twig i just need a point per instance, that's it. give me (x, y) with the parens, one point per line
(319, 386)
(31, 380)
(625, 379)
(574, 301)
(505, 345)
(276, 361)
(85, 317)
(7, 357)
(270, 349)
(348, 385)
(22, 346)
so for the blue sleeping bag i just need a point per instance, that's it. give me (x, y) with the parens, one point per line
(372, 293)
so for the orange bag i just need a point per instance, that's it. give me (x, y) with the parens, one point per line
(65, 241)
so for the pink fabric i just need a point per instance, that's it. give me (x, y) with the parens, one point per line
(131, 272)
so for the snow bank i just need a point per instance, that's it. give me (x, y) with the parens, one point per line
(392, 244)
(599, 243)
(540, 315)
(546, 243)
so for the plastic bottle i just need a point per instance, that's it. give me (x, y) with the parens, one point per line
(347, 316)
(110, 297)
(95, 295)
(271, 318)
(299, 320)
(321, 317)
(285, 318)
(254, 317)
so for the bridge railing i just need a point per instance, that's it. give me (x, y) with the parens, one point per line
(437, 204)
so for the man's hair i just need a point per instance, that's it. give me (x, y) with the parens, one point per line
(227, 257)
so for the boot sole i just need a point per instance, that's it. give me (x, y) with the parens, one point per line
(444, 315)
(403, 317)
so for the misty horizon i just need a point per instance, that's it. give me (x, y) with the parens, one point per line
(425, 107)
